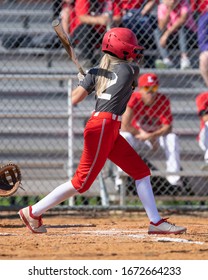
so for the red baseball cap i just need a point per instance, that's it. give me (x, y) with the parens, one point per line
(148, 79)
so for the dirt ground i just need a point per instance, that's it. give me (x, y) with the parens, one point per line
(109, 236)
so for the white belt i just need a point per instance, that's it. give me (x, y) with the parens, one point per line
(107, 115)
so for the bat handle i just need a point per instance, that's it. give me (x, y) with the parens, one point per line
(82, 71)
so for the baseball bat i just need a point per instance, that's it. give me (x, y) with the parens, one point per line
(57, 26)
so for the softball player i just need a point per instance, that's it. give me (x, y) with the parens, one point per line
(147, 124)
(112, 81)
(202, 108)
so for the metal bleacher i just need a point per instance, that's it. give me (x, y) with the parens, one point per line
(33, 110)
(33, 107)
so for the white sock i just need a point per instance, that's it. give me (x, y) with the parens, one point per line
(58, 195)
(145, 193)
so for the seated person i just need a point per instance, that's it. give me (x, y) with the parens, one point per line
(175, 22)
(66, 14)
(89, 21)
(137, 16)
(147, 124)
(202, 108)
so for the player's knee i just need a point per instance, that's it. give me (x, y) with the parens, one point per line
(80, 186)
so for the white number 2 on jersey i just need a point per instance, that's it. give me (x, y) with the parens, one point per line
(110, 82)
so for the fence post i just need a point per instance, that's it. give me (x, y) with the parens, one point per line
(70, 137)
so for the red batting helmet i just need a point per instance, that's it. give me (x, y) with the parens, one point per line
(122, 42)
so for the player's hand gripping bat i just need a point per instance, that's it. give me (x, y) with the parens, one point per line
(67, 44)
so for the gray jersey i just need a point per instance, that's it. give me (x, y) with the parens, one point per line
(118, 90)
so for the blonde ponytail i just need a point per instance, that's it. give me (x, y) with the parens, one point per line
(107, 62)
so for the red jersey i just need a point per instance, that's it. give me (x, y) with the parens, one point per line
(202, 105)
(132, 4)
(85, 7)
(150, 118)
(199, 5)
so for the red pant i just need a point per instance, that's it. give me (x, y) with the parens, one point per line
(102, 141)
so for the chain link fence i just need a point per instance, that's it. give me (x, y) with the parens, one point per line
(40, 131)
